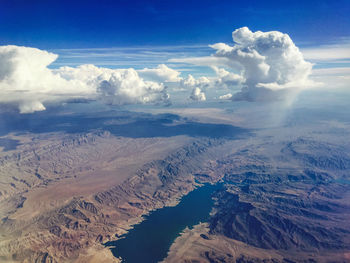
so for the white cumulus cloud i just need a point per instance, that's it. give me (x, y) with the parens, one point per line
(191, 82)
(197, 85)
(272, 66)
(162, 73)
(26, 81)
(197, 95)
(223, 80)
(116, 86)
(227, 96)
(226, 79)
(126, 87)
(261, 66)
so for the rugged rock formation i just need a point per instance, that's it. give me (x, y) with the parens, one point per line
(68, 229)
(286, 199)
(283, 204)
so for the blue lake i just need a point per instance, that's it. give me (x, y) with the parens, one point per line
(150, 240)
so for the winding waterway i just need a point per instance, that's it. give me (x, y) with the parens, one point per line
(149, 241)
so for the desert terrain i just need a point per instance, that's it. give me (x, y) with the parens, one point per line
(65, 193)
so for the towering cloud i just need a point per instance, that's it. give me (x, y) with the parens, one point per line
(26, 80)
(271, 65)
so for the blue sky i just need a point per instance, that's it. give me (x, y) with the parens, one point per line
(121, 33)
(50, 24)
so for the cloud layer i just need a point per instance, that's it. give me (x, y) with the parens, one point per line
(260, 66)
(26, 81)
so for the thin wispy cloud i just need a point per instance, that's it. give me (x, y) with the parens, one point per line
(331, 63)
(328, 53)
(136, 57)
(341, 71)
(337, 77)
